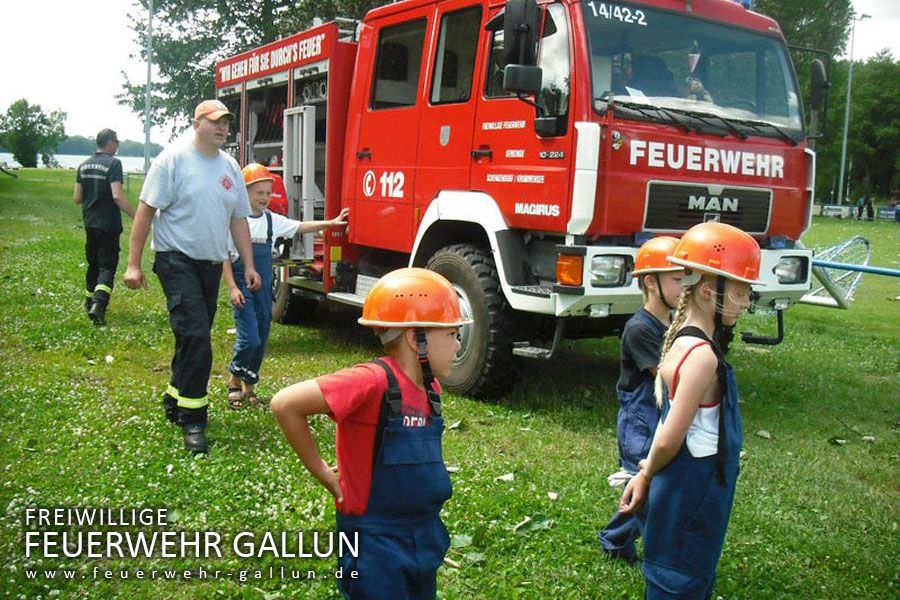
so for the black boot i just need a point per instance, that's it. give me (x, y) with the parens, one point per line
(195, 437)
(170, 406)
(97, 314)
(88, 304)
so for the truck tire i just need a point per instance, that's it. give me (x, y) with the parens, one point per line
(485, 366)
(287, 307)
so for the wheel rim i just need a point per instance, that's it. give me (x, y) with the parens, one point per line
(466, 332)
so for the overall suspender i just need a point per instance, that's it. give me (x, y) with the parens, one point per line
(390, 406)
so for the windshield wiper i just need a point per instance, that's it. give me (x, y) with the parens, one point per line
(781, 132)
(645, 109)
(728, 124)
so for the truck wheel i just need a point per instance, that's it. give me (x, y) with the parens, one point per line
(485, 365)
(287, 307)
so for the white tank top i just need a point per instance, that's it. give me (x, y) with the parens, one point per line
(702, 437)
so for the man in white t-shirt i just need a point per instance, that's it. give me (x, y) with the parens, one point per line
(194, 195)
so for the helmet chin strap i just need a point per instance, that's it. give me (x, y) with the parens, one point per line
(427, 376)
(723, 334)
(662, 296)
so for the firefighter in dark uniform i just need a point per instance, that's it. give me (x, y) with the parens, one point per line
(98, 189)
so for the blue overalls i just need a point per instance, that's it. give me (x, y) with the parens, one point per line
(689, 506)
(635, 426)
(254, 320)
(402, 540)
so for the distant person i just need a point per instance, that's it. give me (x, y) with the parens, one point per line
(642, 337)
(621, 75)
(253, 310)
(195, 195)
(860, 206)
(98, 189)
(870, 209)
(652, 77)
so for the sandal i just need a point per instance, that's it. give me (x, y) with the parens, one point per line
(251, 399)
(235, 398)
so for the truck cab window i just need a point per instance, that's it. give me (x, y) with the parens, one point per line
(455, 60)
(493, 84)
(653, 59)
(398, 64)
(553, 59)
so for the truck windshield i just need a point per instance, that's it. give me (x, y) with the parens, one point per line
(654, 59)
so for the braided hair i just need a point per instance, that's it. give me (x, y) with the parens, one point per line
(677, 321)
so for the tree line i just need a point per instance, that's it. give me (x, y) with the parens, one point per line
(79, 144)
(28, 132)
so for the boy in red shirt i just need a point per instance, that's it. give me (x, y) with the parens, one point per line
(390, 481)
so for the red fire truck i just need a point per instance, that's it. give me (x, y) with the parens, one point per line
(525, 150)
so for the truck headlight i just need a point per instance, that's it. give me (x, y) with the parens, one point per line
(608, 271)
(791, 269)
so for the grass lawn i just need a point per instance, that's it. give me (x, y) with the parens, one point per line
(816, 514)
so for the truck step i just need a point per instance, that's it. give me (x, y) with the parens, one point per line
(533, 290)
(526, 350)
(347, 298)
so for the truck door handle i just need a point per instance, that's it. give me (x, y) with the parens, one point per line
(482, 153)
(365, 153)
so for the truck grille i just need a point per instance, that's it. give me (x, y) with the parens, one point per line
(679, 206)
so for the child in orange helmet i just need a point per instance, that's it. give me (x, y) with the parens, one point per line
(660, 282)
(390, 481)
(694, 460)
(253, 309)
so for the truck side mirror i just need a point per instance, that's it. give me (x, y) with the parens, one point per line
(522, 79)
(521, 28)
(820, 84)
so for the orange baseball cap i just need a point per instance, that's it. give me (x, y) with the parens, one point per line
(212, 110)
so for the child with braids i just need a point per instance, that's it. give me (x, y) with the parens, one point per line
(689, 477)
(660, 282)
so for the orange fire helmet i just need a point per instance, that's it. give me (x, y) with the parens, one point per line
(255, 172)
(653, 256)
(412, 297)
(719, 249)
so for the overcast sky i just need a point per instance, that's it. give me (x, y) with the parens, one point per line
(69, 54)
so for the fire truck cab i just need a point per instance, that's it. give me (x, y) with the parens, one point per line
(525, 151)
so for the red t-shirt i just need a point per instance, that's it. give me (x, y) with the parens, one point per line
(354, 396)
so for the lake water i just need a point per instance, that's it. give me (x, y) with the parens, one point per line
(70, 161)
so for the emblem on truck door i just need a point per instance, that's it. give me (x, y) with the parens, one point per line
(369, 183)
